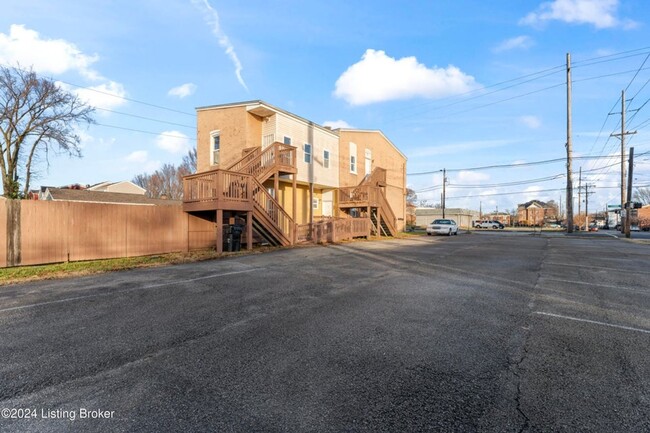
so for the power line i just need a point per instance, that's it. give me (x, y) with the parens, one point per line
(513, 165)
(145, 132)
(145, 118)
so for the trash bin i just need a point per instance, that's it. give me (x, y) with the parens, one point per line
(227, 238)
(236, 231)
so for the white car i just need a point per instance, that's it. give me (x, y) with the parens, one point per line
(442, 227)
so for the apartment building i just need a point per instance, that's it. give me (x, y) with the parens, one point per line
(292, 170)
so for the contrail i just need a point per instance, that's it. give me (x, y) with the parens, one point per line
(212, 18)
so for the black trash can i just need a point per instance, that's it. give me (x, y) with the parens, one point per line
(228, 239)
(236, 231)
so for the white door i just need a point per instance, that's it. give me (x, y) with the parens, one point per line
(328, 198)
(327, 208)
(368, 161)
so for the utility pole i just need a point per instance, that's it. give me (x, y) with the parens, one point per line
(569, 149)
(444, 197)
(622, 135)
(628, 210)
(587, 185)
(579, 193)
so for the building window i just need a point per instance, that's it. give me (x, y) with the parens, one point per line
(353, 158)
(314, 203)
(326, 158)
(215, 137)
(307, 150)
(287, 140)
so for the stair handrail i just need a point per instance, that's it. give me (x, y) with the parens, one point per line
(249, 155)
(390, 215)
(273, 210)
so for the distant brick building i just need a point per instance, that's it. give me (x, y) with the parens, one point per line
(535, 213)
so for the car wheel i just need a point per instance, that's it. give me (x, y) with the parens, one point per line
(428, 234)
(456, 233)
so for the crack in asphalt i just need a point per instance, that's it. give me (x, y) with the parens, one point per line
(523, 353)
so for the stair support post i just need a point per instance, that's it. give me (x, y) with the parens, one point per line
(249, 230)
(219, 231)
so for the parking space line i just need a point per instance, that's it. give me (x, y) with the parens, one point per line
(597, 267)
(608, 286)
(595, 322)
(152, 286)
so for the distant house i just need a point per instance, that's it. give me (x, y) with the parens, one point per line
(535, 213)
(89, 196)
(124, 186)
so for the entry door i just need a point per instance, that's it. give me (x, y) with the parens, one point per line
(327, 203)
(368, 161)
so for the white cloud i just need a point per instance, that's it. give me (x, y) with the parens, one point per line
(212, 18)
(139, 156)
(518, 42)
(336, 124)
(378, 77)
(183, 90)
(48, 56)
(108, 95)
(25, 47)
(533, 122)
(467, 176)
(173, 141)
(599, 13)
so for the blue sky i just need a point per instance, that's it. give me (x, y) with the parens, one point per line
(442, 79)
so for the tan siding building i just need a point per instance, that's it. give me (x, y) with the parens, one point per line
(238, 136)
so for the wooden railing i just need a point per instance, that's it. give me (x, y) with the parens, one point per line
(376, 178)
(269, 209)
(333, 230)
(249, 155)
(216, 185)
(388, 214)
(363, 195)
(277, 156)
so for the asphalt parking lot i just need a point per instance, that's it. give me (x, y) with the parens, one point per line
(502, 332)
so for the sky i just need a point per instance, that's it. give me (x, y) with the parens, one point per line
(458, 85)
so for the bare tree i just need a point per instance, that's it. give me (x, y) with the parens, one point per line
(167, 181)
(188, 166)
(411, 196)
(36, 117)
(643, 195)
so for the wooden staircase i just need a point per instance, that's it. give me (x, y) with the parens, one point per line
(369, 196)
(240, 188)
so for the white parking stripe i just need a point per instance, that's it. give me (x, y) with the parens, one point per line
(153, 286)
(608, 286)
(595, 322)
(627, 271)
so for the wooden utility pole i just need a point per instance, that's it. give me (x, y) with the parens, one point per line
(444, 182)
(579, 195)
(628, 210)
(622, 137)
(569, 149)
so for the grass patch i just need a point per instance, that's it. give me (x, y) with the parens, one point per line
(90, 267)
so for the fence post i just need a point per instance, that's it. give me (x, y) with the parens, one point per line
(13, 233)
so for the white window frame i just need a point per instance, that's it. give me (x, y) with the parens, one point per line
(353, 158)
(287, 140)
(326, 158)
(315, 203)
(307, 155)
(214, 154)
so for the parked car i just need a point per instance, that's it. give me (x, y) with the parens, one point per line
(488, 225)
(442, 227)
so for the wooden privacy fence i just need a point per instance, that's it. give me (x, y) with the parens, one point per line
(37, 232)
(334, 230)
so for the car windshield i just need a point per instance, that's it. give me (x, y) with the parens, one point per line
(442, 222)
